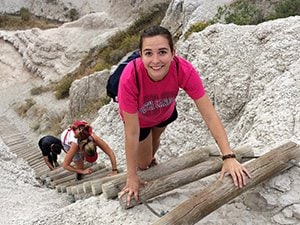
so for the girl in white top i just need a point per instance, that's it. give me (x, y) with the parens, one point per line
(77, 155)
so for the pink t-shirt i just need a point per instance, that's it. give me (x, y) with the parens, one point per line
(155, 100)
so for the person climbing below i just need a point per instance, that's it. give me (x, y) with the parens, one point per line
(50, 147)
(80, 143)
(147, 91)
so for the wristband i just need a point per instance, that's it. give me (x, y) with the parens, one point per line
(114, 170)
(228, 156)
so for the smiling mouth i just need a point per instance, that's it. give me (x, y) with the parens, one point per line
(156, 67)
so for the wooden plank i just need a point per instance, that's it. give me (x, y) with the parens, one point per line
(15, 140)
(180, 178)
(79, 188)
(86, 187)
(70, 177)
(39, 167)
(21, 148)
(34, 158)
(8, 131)
(42, 172)
(61, 172)
(111, 189)
(100, 173)
(56, 171)
(26, 151)
(222, 191)
(95, 186)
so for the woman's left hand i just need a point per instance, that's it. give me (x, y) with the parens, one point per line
(237, 171)
(115, 172)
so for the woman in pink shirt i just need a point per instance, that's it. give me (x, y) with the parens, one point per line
(147, 92)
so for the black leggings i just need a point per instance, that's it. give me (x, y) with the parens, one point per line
(144, 132)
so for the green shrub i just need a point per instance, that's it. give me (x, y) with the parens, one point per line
(90, 111)
(3, 20)
(54, 2)
(196, 27)
(101, 66)
(39, 90)
(25, 14)
(73, 14)
(35, 125)
(151, 17)
(244, 13)
(130, 43)
(55, 126)
(62, 89)
(220, 14)
(103, 57)
(24, 107)
(15, 22)
(285, 9)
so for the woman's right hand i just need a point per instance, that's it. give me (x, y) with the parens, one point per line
(132, 188)
(87, 171)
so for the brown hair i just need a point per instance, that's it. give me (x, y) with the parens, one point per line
(155, 31)
(88, 146)
(56, 148)
(83, 133)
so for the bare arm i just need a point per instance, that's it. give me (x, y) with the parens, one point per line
(213, 123)
(217, 130)
(107, 150)
(48, 163)
(68, 159)
(132, 131)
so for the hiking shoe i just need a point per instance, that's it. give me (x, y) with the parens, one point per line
(153, 163)
(77, 176)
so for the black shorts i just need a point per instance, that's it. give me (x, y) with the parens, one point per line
(144, 132)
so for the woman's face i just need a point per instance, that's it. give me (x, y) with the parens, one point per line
(156, 56)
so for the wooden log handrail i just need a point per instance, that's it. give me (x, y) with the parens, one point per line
(112, 188)
(222, 191)
(95, 186)
(182, 177)
(61, 172)
(70, 176)
(86, 188)
(98, 174)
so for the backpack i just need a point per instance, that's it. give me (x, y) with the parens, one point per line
(113, 80)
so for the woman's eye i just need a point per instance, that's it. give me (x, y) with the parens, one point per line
(148, 53)
(163, 52)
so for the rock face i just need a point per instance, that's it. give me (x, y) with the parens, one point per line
(120, 11)
(51, 54)
(181, 14)
(87, 89)
(252, 75)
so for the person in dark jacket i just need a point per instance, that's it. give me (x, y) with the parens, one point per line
(50, 147)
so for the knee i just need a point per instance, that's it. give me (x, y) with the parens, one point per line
(144, 165)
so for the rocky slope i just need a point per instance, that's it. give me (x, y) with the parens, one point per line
(51, 54)
(251, 74)
(121, 12)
